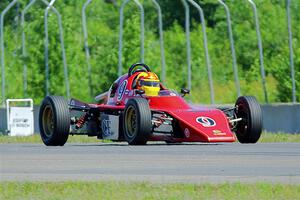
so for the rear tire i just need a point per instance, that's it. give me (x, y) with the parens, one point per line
(137, 123)
(249, 129)
(54, 121)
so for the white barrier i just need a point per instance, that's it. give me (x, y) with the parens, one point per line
(20, 120)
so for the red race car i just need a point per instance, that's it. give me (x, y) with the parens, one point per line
(138, 108)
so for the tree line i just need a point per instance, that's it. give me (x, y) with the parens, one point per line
(103, 30)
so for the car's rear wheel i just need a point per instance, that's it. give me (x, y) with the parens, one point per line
(137, 123)
(54, 121)
(249, 129)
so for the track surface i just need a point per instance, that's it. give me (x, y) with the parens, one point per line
(191, 163)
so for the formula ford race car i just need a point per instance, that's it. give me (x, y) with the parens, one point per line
(138, 108)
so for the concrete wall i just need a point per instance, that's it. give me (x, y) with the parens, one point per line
(282, 117)
(276, 118)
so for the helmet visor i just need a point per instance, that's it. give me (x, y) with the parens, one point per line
(149, 83)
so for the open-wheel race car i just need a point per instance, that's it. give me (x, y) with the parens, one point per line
(138, 108)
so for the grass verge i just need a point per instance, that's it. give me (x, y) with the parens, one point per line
(121, 190)
(266, 137)
(279, 137)
(37, 139)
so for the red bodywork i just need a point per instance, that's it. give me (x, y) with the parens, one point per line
(196, 124)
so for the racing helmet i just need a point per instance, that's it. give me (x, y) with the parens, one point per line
(149, 82)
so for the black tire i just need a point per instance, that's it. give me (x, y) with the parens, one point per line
(137, 123)
(54, 121)
(249, 129)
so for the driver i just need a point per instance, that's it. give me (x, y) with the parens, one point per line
(149, 82)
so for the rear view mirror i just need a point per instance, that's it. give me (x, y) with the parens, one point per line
(184, 91)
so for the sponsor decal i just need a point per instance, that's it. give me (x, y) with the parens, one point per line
(106, 127)
(218, 132)
(206, 121)
(126, 92)
(172, 94)
(187, 133)
(121, 90)
(20, 123)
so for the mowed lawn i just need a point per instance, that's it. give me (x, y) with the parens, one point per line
(265, 137)
(122, 190)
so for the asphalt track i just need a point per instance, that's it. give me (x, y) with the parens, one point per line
(188, 163)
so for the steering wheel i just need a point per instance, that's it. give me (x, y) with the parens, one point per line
(133, 68)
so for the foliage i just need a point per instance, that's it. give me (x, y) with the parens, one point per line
(103, 30)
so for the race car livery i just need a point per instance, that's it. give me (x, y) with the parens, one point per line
(137, 108)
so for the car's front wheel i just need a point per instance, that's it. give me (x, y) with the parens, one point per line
(249, 129)
(137, 123)
(54, 121)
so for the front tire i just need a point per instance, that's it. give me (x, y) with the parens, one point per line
(54, 121)
(137, 123)
(249, 129)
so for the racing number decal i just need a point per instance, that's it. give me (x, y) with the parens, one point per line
(106, 127)
(206, 121)
(121, 90)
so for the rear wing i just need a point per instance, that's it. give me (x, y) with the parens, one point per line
(101, 97)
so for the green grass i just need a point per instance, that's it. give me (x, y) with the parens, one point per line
(279, 137)
(266, 137)
(123, 190)
(37, 139)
